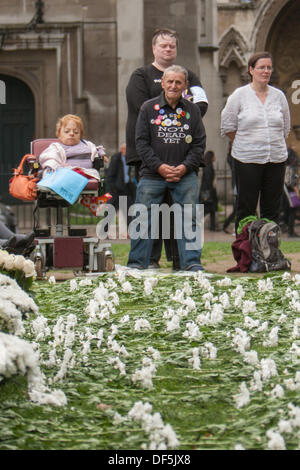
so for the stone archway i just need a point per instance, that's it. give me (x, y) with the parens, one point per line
(2, 92)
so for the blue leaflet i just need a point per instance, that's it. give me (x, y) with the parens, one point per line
(65, 182)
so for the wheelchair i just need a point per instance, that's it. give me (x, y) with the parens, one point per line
(59, 246)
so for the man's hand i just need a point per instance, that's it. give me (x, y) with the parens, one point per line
(231, 135)
(172, 174)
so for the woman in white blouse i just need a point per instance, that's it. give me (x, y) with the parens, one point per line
(256, 118)
(71, 150)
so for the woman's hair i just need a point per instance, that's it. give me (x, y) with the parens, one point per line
(62, 122)
(255, 57)
(208, 157)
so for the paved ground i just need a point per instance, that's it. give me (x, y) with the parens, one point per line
(26, 223)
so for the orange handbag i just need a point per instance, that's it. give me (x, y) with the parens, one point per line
(23, 186)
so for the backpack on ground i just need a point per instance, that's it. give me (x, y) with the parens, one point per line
(264, 238)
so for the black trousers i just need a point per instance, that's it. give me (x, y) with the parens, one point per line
(263, 182)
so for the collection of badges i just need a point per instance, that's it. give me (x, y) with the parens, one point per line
(172, 119)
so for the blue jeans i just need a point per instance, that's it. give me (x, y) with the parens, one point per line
(151, 192)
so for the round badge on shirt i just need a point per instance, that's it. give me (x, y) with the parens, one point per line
(188, 139)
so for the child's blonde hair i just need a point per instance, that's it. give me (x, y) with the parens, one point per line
(62, 122)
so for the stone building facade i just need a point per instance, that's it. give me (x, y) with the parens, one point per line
(76, 56)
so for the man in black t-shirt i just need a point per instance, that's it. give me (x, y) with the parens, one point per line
(144, 84)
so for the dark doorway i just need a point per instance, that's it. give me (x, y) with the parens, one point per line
(16, 130)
